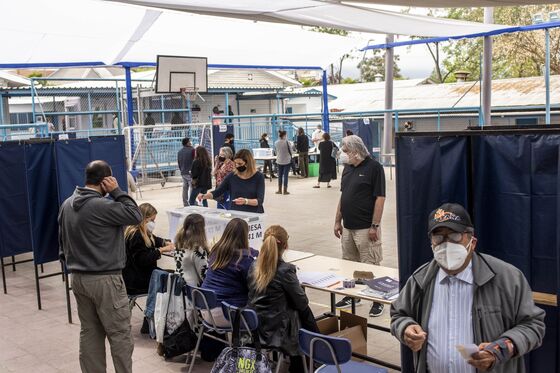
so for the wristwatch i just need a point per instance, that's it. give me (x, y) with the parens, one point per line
(246, 201)
(375, 226)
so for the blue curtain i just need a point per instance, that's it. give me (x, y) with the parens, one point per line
(15, 225)
(43, 200)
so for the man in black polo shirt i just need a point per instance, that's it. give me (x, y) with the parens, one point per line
(359, 211)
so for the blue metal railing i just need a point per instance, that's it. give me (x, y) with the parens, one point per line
(23, 131)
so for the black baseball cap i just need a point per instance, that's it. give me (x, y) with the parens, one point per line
(450, 215)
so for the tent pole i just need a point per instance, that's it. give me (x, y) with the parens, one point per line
(547, 74)
(487, 71)
(325, 103)
(387, 121)
(129, 102)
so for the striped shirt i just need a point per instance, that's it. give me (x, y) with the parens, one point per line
(450, 322)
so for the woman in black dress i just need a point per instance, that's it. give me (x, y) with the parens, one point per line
(327, 164)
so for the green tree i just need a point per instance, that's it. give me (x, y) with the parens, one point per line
(335, 72)
(369, 67)
(514, 55)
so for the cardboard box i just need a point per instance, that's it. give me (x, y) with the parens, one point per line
(351, 327)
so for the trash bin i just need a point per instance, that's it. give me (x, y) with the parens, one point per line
(314, 169)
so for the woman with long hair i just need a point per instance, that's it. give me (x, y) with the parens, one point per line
(201, 173)
(245, 185)
(327, 164)
(278, 298)
(302, 147)
(284, 161)
(223, 166)
(228, 265)
(143, 249)
(192, 250)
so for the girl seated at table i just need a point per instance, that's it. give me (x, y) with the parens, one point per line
(228, 265)
(278, 298)
(143, 249)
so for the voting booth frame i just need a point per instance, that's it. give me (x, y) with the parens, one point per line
(509, 180)
(36, 177)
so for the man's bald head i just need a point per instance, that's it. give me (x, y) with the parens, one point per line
(96, 171)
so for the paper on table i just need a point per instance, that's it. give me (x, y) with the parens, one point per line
(319, 279)
(467, 350)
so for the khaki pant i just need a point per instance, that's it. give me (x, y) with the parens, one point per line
(104, 313)
(357, 247)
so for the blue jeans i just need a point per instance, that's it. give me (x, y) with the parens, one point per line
(283, 172)
(194, 194)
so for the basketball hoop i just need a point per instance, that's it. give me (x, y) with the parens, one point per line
(189, 93)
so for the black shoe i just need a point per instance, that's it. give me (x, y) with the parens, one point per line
(346, 302)
(145, 329)
(376, 309)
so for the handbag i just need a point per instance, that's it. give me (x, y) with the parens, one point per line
(237, 359)
(334, 152)
(180, 341)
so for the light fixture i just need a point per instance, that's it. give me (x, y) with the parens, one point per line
(538, 18)
(554, 16)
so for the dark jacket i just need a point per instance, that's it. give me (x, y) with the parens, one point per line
(91, 230)
(279, 308)
(141, 260)
(302, 143)
(185, 158)
(201, 175)
(230, 283)
(502, 307)
(264, 143)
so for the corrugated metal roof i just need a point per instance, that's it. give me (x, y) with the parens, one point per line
(412, 94)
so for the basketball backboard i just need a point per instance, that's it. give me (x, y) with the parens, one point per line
(175, 73)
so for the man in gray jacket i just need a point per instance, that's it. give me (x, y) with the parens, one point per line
(469, 299)
(91, 237)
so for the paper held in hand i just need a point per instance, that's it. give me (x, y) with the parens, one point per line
(467, 350)
(319, 279)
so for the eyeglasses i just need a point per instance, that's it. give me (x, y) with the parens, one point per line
(454, 237)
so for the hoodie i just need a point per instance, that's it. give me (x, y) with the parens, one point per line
(91, 230)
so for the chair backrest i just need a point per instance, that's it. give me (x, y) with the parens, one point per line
(325, 349)
(249, 318)
(202, 299)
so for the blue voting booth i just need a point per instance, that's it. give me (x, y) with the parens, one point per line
(508, 179)
(368, 130)
(36, 176)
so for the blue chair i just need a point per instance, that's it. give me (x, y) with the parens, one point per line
(205, 300)
(334, 353)
(249, 318)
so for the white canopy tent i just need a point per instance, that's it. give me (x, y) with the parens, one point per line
(345, 16)
(454, 3)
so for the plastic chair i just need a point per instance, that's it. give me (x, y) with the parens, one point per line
(132, 298)
(333, 352)
(205, 300)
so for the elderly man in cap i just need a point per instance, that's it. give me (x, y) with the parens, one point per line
(463, 297)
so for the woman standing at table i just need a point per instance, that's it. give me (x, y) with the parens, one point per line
(327, 164)
(245, 185)
(223, 166)
(284, 161)
(268, 163)
(201, 173)
(278, 298)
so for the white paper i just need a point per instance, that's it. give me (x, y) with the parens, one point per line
(319, 279)
(467, 350)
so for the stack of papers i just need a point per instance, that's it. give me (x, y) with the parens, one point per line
(319, 279)
(382, 287)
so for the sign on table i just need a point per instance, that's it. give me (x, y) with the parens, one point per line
(216, 221)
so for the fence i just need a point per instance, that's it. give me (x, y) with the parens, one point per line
(152, 150)
(23, 131)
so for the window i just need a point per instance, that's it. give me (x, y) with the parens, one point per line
(526, 121)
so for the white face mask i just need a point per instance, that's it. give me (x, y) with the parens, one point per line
(450, 255)
(151, 225)
(344, 158)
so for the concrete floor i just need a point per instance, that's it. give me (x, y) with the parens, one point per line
(43, 341)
